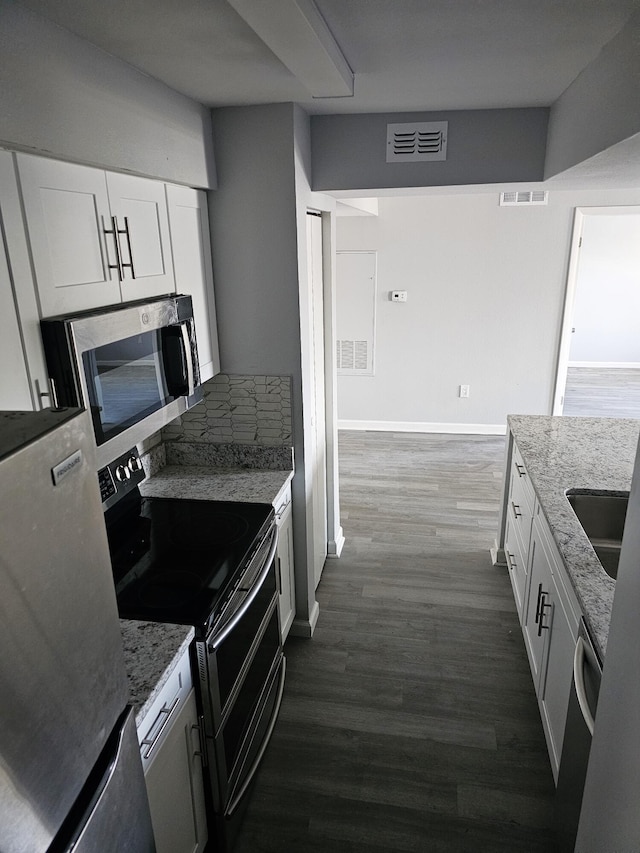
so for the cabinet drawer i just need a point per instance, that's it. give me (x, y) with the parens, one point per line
(165, 709)
(520, 474)
(520, 509)
(516, 558)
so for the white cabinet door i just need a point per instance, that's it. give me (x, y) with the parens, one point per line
(15, 389)
(284, 557)
(538, 621)
(67, 211)
(175, 787)
(139, 206)
(191, 248)
(21, 353)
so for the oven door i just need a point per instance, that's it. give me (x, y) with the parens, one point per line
(241, 674)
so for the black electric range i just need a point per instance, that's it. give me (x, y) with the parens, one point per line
(177, 560)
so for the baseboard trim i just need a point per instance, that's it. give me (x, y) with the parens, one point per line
(416, 426)
(335, 546)
(306, 627)
(607, 365)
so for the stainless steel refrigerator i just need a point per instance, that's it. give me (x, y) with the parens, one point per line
(70, 771)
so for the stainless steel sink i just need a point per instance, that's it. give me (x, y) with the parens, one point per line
(602, 517)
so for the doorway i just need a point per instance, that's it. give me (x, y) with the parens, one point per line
(599, 356)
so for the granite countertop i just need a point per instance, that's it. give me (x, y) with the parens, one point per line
(590, 454)
(196, 482)
(151, 652)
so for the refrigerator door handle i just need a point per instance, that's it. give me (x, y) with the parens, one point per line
(578, 679)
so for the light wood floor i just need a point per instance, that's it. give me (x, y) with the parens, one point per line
(409, 721)
(602, 392)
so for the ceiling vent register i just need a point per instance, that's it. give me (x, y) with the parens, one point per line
(519, 198)
(417, 141)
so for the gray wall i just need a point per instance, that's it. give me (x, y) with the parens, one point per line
(253, 226)
(484, 146)
(602, 105)
(63, 97)
(262, 153)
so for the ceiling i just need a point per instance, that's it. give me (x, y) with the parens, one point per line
(406, 55)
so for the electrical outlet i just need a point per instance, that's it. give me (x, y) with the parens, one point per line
(464, 391)
(398, 295)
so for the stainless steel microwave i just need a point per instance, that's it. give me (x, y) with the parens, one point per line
(133, 366)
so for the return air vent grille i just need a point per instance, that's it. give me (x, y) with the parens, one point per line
(352, 355)
(417, 141)
(521, 198)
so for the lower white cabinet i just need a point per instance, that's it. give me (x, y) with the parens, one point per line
(171, 757)
(285, 566)
(550, 628)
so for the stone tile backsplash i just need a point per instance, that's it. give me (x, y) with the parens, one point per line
(247, 410)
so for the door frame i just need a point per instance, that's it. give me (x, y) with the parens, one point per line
(564, 346)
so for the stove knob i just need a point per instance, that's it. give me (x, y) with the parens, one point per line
(122, 473)
(134, 464)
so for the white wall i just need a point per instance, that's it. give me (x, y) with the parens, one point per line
(485, 298)
(606, 311)
(65, 98)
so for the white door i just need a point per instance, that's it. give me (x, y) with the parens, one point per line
(318, 448)
(67, 212)
(139, 206)
(191, 248)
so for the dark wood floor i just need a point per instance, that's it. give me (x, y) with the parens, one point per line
(409, 721)
(602, 392)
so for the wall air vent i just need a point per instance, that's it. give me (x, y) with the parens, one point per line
(353, 356)
(522, 197)
(417, 141)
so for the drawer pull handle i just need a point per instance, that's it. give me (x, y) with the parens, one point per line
(522, 471)
(152, 742)
(543, 604)
(516, 510)
(510, 561)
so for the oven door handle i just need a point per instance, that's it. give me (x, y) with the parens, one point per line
(233, 805)
(247, 601)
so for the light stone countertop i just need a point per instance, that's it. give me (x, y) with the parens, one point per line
(151, 652)
(194, 482)
(591, 454)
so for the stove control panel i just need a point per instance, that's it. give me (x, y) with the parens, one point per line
(119, 477)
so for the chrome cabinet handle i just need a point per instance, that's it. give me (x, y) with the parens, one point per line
(127, 234)
(152, 742)
(538, 602)
(522, 471)
(516, 510)
(114, 230)
(578, 680)
(543, 604)
(511, 561)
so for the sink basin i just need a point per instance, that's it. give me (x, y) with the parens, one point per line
(602, 518)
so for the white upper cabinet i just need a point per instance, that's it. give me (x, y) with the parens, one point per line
(139, 207)
(191, 247)
(23, 374)
(96, 238)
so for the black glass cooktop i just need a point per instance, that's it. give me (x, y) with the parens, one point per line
(176, 560)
